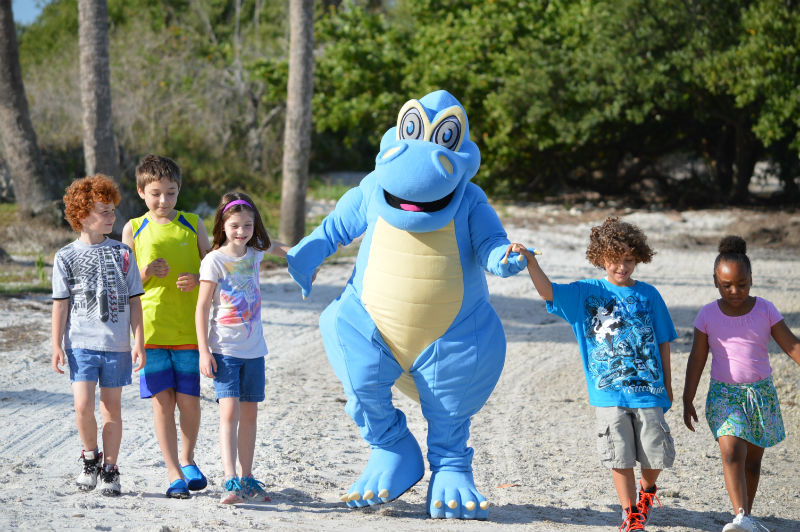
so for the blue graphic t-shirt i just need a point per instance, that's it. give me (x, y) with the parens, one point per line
(618, 331)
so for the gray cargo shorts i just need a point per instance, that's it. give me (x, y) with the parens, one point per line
(629, 435)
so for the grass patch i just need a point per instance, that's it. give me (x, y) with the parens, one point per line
(8, 213)
(21, 289)
(321, 190)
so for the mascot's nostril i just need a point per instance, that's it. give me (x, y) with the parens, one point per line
(391, 153)
(446, 164)
(442, 161)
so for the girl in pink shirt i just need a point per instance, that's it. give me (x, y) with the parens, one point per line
(742, 406)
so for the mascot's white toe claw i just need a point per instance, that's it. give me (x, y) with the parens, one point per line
(383, 494)
(437, 504)
(484, 505)
(368, 495)
(452, 504)
(355, 496)
(470, 506)
(344, 498)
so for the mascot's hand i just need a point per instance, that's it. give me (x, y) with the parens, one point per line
(302, 279)
(512, 262)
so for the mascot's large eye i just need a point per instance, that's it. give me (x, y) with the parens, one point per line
(447, 133)
(411, 125)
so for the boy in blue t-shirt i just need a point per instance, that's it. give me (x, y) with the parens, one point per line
(623, 330)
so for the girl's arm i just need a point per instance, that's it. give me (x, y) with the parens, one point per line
(279, 249)
(666, 367)
(138, 352)
(208, 366)
(540, 280)
(694, 369)
(58, 327)
(785, 338)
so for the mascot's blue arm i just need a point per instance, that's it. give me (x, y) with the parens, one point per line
(347, 221)
(490, 241)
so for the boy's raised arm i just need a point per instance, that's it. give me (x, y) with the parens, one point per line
(540, 280)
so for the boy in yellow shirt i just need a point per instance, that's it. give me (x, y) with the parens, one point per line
(168, 246)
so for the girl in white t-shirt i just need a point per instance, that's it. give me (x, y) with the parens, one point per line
(231, 342)
(742, 406)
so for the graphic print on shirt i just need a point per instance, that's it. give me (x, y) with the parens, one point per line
(240, 295)
(621, 345)
(97, 285)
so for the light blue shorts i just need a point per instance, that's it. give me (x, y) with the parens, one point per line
(240, 377)
(170, 368)
(111, 369)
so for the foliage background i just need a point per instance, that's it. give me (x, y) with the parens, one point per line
(654, 101)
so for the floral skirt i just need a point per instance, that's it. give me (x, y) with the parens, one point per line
(748, 411)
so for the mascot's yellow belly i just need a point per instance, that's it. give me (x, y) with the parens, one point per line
(413, 289)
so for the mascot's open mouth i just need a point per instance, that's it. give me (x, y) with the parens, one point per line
(418, 206)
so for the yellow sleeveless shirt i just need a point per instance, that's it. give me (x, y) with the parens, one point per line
(168, 312)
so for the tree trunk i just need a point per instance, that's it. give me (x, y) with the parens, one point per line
(99, 145)
(746, 157)
(297, 136)
(29, 175)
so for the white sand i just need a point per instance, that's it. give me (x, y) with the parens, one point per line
(535, 457)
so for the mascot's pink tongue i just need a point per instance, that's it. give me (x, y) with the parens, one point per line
(408, 207)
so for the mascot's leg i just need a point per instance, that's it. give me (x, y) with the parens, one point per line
(367, 370)
(455, 378)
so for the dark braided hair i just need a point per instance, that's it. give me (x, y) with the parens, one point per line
(733, 249)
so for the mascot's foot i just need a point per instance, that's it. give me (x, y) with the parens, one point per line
(452, 495)
(390, 472)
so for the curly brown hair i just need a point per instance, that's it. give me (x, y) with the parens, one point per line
(614, 239)
(81, 195)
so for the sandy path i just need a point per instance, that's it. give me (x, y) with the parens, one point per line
(535, 435)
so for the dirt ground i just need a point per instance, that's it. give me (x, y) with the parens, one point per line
(535, 459)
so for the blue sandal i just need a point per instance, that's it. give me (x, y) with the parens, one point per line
(195, 479)
(178, 490)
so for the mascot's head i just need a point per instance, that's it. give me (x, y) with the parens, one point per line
(425, 163)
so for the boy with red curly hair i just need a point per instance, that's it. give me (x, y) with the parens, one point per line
(96, 289)
(623, 329)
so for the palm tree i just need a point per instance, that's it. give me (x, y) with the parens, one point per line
(297, 136)
(99, 144)
(29, 174)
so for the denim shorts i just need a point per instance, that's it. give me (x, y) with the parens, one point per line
(240, 377)
(170, 368)
(629, 435)
(110, 368)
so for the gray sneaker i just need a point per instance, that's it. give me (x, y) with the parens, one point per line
(91, 460)
(253, 490)
(109, 481)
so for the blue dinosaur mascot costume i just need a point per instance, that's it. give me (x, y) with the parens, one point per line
(416, 310)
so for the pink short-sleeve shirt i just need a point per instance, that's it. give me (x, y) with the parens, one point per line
(739, 344)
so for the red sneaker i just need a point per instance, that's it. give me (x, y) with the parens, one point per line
(633, 521)
(644, 501)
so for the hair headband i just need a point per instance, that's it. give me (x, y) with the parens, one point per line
(237, 202)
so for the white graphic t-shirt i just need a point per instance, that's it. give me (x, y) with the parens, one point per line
(235, 324)
(98, 280)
